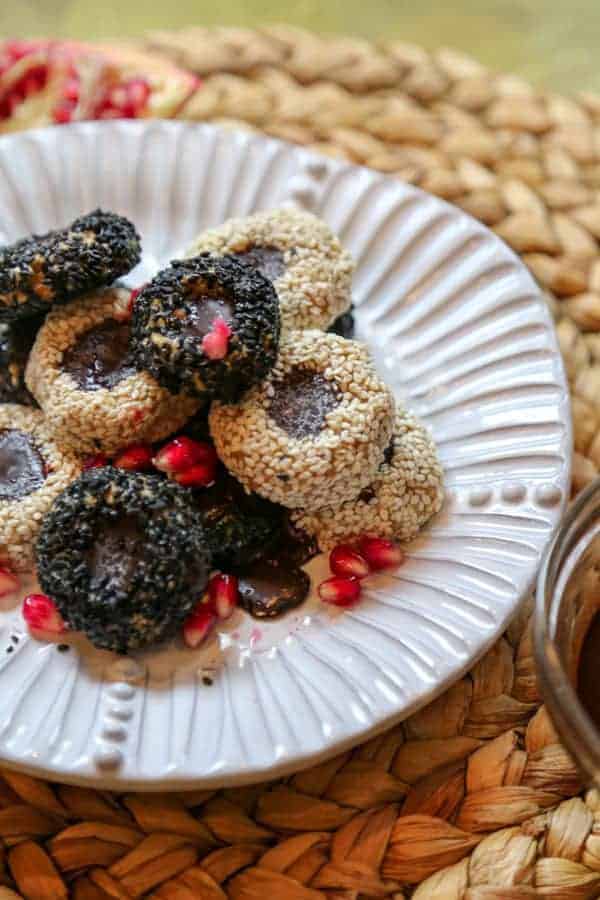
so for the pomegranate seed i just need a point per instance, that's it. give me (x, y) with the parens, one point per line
(200, 475)
(71, 91)
(137, 457)
(17, 49)
(12, 100)
(96, 462)
(9, 583)
(216, 342)
(223, 595)
(340, 590)
(380, 553)
(41, 614)
(344, 560)
(29, 86)
(138, 91)
(63, 114)
(182, 453)
(118, 97)
(128, 111)
(198, 625)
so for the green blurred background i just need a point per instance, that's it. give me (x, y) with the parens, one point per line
(551, 42)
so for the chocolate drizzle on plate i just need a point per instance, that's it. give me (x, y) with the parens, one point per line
(22, 469)
(100, 357)
(268, 590)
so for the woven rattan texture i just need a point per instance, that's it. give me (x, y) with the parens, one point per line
(473, 798)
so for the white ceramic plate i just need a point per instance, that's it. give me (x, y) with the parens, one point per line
(459, 330)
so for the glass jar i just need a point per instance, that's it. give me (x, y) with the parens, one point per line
(568, 597)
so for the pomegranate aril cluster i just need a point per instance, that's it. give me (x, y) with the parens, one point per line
(350, 564)
(65, 110)
(126, 100)
(190, 463)
(219, 603)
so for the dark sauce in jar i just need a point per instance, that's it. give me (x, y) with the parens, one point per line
(588, 674)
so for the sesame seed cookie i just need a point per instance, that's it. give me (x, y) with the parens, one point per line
(309, 268)
(124, 556)
(406, 492)
(41, 270)
(33, 472)
(314, 432)
(81, 374)
(208, 326)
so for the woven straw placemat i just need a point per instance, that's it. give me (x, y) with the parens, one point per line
(473, 798)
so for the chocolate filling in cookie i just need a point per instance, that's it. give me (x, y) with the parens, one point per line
(21, 465)
(113, 557)
(100, 358)
(267, 260)
(203, 313)
(302, 402)
(207, 326)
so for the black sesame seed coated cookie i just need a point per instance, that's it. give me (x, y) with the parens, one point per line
(124, 556)
(56, 267)
(240, 527)
(208, 326)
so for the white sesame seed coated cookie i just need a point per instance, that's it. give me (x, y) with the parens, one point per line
(99, 401)
(406, 492)
(34, 470)
(315, 431)
(309, 268)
